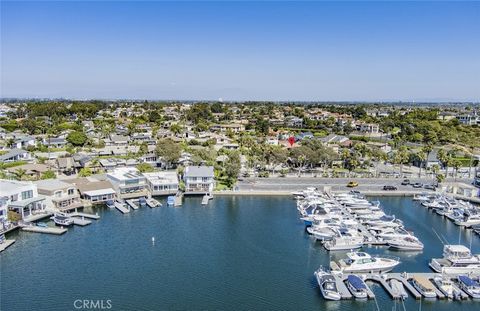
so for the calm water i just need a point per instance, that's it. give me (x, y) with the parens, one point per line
(239, 253)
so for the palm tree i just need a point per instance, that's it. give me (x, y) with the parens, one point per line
(420, 156)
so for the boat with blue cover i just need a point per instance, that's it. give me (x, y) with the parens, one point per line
(357, 287)
(469, 286)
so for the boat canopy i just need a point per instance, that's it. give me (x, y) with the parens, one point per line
(356, 282)
(467, 281)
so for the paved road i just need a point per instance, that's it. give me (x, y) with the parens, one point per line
(337, 184)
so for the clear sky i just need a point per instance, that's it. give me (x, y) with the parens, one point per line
(241, 50)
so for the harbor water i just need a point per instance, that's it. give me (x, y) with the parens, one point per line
(236, 253)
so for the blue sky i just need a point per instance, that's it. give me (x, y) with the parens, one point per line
(241, 50)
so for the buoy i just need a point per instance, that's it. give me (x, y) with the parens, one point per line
(153, 240)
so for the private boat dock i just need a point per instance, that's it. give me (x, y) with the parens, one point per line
(49, 230)
(152, 203)
(122, 207)
(133, 204)
(206, 198)
(383, 279)
(5, 244)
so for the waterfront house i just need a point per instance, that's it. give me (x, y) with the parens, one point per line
(199, 179)
(15, 155)
(92, 190)
(162, 183)
(22, 199)
(128, 182)
(60, 194)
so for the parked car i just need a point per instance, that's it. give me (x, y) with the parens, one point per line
(417, 185)
(389, 188)
(430, 187)
(352, 184)
(406, 182)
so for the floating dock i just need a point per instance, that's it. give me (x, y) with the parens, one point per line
(178, 199)
(133, 204)
(48, 230)
(152, 203)
(206, 198)
(6, 244)
(122, 207)
(81, 221)
(85, 215)
(383, 280)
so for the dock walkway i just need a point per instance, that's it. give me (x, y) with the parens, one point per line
(132, 204)
(86, 215)
(122, 208)
(49, 230)
(6, 244)
(81, 221)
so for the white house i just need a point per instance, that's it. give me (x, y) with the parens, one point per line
(15, 155)
(93, 190)
(199, 179)
(162, 183)
(128, 182)
(22, 198)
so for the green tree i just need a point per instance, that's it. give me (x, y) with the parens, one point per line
(85, 172)
(168, 150)
(77, 138)
(48, 175)
(145, 167)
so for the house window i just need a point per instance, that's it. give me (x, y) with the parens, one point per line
(27, 194)
(71, 191)
(58, 193)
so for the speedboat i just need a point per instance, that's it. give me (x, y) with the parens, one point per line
(469, 286)
(457, 259)
(110, 203)
(424, 287)
(345, 239)
(327, 284)
(469, 219)
(422, 197)
(409, 243)
(62, 219)
(446, 286)
(42, 224)
(361, 262)
(357, 287)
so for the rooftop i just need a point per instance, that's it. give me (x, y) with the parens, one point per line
(199, 171)
(162, 178)
(52, 184)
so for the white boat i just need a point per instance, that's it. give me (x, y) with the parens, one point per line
(457, 259)
(409, 243)
(62, 219)
(469, 219)
(361, 262)
(424, 287)
(422, 197)
(357, 287)
(398, 288)
(469, 286)
(110, 203)
(446, 286)
(344, 240)
(327, 284)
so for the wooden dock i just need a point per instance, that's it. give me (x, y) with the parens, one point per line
(6, 244)
(48, 230)
(206, 198)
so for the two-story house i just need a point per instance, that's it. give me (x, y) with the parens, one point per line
(162, 182)
(199, 179)
(128, 182)
(60, 194)
(22, 199)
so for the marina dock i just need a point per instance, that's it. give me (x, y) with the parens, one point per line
(132, 204)
(5, 244)
(81, 221)
(152, 203)
(85, 215)
(206, 198)
(122, 207)
(48, 230)
(383, 280)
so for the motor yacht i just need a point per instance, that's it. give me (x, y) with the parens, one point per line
(446, 286)
(457, 259)
(344, 239)
(409, 243)
(361, 262)
(62, 219)
(424, 287)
